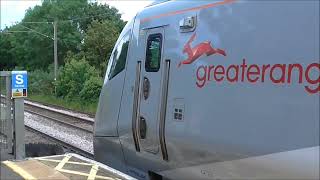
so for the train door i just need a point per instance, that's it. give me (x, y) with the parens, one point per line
(147, 127)
(150, 91)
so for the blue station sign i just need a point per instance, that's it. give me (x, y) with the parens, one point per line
(19, 84)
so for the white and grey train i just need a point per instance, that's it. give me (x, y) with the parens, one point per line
(214, 90)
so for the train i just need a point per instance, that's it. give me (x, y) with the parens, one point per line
(224, 89)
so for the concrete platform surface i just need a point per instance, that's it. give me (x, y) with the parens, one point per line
(64, 167)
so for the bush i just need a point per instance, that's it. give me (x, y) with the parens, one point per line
(91, 89)
(41, 82)
(78, 80)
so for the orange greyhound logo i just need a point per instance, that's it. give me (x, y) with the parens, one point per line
(199, 50)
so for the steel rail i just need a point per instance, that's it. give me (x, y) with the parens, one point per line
(59, 121)
(58, 112)
(76, 118)
(90, 115)
(29, 103)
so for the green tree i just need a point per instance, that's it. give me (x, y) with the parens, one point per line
(6, 59)
(100, 13)
(34, 51)
(99, 42)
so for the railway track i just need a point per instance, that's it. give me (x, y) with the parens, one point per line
(68, 146)
(77, 124)
(83, 124)
(76, 120)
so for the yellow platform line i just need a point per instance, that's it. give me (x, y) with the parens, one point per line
(63, 162)
(93, 172)
(69, 162)
(85, 174)
(24, 174)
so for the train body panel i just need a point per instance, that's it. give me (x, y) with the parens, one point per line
(221, 89)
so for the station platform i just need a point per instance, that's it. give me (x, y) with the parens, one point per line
(65, 167)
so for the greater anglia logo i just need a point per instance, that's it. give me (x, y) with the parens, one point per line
(199, 50)
(254, 73)
(306, 75)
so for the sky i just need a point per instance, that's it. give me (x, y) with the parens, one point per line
(13, 10)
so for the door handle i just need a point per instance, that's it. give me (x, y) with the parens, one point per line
(146, 88)
(143, 128)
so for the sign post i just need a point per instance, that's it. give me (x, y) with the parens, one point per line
(19, 89)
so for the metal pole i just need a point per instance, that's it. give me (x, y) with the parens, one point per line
(19, 151)
(55, 50)
(8, 113)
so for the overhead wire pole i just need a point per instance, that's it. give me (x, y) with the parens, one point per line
(55, 50)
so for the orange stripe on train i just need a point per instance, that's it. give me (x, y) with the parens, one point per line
(187, 10)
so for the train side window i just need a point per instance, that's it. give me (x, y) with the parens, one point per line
(153, 53)
(119, 57)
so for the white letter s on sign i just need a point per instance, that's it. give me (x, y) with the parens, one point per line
(19, 79)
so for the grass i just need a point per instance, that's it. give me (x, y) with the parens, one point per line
(74, 105)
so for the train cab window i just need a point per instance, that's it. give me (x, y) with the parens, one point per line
(153, 53)
(119, 57)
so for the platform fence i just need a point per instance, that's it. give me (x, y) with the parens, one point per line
(6, 116)
(11, 119)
